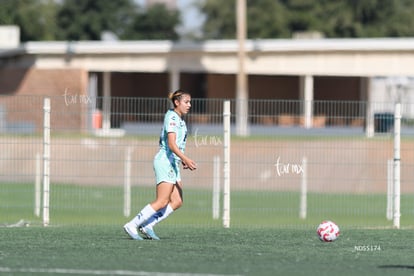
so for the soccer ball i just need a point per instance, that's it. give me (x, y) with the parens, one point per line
(328, 231)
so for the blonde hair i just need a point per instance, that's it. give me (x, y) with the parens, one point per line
(176, 95)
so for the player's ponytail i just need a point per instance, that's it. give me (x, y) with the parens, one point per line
(176, 95)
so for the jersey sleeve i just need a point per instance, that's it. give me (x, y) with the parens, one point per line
(171, 123)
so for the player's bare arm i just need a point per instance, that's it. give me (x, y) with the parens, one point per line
(187, 162)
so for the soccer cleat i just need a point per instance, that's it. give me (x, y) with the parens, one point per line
(131, 230)
(148, 233)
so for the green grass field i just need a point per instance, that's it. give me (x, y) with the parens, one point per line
(106, 250)
(94, 205)
(266, 236)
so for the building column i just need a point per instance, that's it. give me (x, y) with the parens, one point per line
(174, 78)
(366, 86)
(106, 104)
(92, 95)
(306, 93)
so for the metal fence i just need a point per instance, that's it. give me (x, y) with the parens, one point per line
(284, 173)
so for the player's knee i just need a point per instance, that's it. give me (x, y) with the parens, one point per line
(160, 203)
(177, 203)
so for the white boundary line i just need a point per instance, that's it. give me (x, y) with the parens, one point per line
(99, 272)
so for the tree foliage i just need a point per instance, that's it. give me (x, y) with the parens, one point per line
(87, 19)
(156, 23)
(282, 18)
(35, 18)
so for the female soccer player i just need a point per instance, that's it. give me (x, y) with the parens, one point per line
(167, 170)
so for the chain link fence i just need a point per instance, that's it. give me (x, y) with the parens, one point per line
(283, 173)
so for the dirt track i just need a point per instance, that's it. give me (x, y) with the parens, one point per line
(337, 165)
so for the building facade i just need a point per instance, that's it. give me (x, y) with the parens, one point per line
(307, 70)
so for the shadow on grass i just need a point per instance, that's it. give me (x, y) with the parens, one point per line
(397, 266)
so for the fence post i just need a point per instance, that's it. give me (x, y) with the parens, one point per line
(46, 161)
(397, 161)
(390, 195)
(216, 187)
(38, 188)
(226, 170)
(303, 190)
(127, 182)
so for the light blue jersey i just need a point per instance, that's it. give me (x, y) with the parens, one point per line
(173, 123)
(166, 163)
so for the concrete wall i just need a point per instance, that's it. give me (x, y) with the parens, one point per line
(67, 89)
